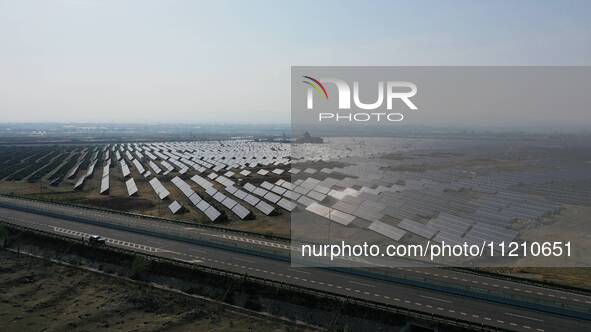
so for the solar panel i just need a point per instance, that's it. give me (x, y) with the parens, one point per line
(386, 230)
(212, 213)
(104, 185)
(316, 196)
(291, 195)
(264, 208)
(241, 211)
(124, 169)
(345, 207)
(302, 190)
(341, 217)
(175, 207)
(278, 190)
(318, 209)
(250, 187)
(90, 170)
(203, 205)
(139, 166)
(240, 194)
(154, 167)
(426, 231)
(159, 188)
(306, 201)
(218, 196)
(286, 204)
(322, 189)
(79, 182)
(131, 187)
(211, 191)
(260, 191)
(272, 197)
(229, 203)
(310, 171)
(231, 189)
(252, 200)
(195, 199)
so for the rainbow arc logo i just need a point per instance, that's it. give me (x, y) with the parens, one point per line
(316, 85)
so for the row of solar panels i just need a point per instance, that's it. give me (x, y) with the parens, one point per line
(237, 208)
(83, 177)
(210, 211)
(172, 157)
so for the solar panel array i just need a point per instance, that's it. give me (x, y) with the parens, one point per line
(379, 193)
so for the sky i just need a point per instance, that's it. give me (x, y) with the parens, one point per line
(175, 61)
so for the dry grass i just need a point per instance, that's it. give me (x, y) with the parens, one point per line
(40, 296)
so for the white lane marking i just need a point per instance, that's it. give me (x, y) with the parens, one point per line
(435, 299)
(193, 261)
(244, 260)
(299, 271)
(525, 317)
(362, 284)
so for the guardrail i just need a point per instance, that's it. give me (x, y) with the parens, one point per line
(436, 318)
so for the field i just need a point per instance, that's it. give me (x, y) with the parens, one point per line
(36, 295)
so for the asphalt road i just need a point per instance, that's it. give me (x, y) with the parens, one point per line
(465, 308)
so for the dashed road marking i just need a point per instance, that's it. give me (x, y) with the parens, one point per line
(524, 317)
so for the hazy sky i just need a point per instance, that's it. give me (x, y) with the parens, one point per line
(229, 61)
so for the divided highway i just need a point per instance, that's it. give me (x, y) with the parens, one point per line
(260, 257)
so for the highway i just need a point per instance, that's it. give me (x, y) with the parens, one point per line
(214, 248)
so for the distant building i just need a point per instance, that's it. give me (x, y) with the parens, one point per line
(307, 138)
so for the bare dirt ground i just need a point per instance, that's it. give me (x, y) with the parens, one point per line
(36, 295)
